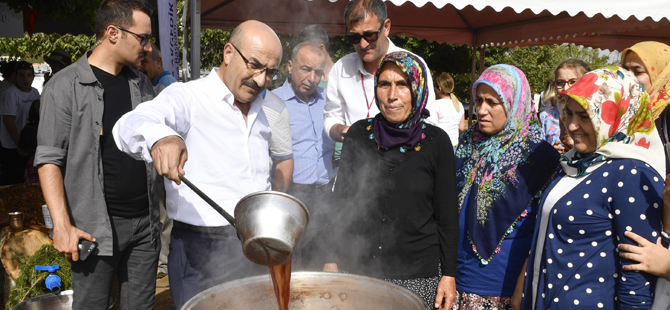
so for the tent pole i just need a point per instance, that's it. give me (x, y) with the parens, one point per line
(472, 82)
(195, 39)
(184, 51)
(482, 59)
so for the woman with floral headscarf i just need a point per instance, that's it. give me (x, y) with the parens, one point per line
(609, 183)
(502, 165)
(396, 187)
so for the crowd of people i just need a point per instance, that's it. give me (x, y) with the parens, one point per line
(520, 209)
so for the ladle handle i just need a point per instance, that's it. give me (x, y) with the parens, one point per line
(211, 202)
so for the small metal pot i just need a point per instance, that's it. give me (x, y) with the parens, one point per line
(309, 290)
(270, 225)
(62, 301)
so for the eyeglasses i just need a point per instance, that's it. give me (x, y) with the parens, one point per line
(371, 37)
(256, 68)
(561, 83)
(144, 38)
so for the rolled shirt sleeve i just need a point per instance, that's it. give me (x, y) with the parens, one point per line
(333, 111)
(169, 114)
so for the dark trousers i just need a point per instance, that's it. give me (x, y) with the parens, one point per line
(134, 262)
(13, 166)
(200, 261)
(313, 250)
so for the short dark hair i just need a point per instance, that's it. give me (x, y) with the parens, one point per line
(118, 13)
(314, 34)
(24, 65)
(357, 10)
(8, 68)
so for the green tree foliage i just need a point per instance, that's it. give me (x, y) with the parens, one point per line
(33, 49)
(30, 282)
(539, 62)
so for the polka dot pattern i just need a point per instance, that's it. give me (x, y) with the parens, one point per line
(584, 229)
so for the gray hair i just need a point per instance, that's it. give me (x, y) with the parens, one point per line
(314, 34)
(307, 44)
(357, 10)
(155, 51)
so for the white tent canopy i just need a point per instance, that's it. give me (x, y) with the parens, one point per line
(604, 24)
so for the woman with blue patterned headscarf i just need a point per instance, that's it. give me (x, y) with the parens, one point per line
(502, 164)
(396, 187)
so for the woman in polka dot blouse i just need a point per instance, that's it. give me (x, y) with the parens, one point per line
(610, 183)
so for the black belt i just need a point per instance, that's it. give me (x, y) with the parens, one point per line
(312, 188)
(217, 230)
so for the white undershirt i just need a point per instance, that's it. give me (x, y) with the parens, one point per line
(563, 186)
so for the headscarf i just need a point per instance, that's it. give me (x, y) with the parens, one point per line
(659, 93)
(408, 133)
(620, 111)
(494, 172)
(654, 55)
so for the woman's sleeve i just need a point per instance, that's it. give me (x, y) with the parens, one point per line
(445, 205)
(636, 206)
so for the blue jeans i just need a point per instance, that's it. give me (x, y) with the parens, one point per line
(134, 262)
(200, 261)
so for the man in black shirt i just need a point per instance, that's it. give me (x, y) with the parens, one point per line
(93, 190)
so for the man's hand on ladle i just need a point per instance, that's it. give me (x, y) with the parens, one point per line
(169, 155)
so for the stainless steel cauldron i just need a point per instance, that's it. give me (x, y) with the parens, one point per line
(309, 290)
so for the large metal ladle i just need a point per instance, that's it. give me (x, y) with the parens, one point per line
(269, 224)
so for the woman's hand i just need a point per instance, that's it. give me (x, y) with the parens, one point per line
(652, 258)
(446, 293)
(559, 147)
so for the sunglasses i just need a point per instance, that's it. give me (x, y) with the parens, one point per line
(144, 38)
(370, 37)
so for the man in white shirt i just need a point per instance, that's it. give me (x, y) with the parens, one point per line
(351, 93)
(218, 124)
(14, 107)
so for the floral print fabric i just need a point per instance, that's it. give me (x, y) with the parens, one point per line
(620, 111)
(658, 94)
(550, 126)
(487, 164)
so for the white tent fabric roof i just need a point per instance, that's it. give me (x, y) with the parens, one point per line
(622, 8)
(605, 24)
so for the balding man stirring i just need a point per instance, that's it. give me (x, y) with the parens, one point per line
(218, 125)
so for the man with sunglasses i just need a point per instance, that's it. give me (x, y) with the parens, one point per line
(93, 190)
(351, 93)
(218, 124)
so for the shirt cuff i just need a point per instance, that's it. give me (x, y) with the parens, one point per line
(281, 158)
(153, 135)
(328, 123)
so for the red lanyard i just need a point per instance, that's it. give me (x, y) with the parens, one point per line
(366, 96)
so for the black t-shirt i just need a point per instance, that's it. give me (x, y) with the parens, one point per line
(125, 178)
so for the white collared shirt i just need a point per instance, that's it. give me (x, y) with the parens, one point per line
(346, 100)
(227, 158)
